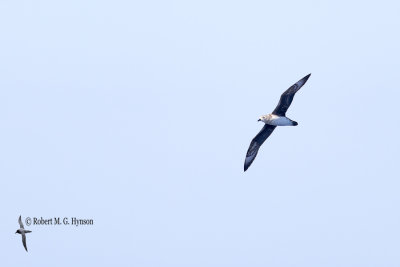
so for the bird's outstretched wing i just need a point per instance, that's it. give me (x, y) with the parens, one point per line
(20, 222)
(287, 97)
(24, 241)
(256, 143)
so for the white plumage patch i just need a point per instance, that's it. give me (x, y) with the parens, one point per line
(276, 120)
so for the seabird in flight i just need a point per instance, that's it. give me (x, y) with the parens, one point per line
(276, 118)
(22, 232)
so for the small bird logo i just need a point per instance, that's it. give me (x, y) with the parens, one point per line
(22, 232)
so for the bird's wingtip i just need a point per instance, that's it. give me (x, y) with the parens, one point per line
(304, 79)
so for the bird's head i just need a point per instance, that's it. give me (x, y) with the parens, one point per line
(263, 118)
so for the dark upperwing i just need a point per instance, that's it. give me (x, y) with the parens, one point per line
(287, 97)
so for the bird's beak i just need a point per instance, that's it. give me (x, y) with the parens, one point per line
(259, 119)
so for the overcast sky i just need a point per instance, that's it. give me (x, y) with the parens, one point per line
(138, 115)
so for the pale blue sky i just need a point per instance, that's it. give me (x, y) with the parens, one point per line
(138, 114)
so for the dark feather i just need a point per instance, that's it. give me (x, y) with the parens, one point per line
(287, 97)
(255, 144)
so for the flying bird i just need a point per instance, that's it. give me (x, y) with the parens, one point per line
(276, 118)
(22, 232)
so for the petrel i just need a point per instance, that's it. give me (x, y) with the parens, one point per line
(276, 118)
(22, 232)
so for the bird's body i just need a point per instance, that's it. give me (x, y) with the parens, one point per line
(276, 118)
(22, 232)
